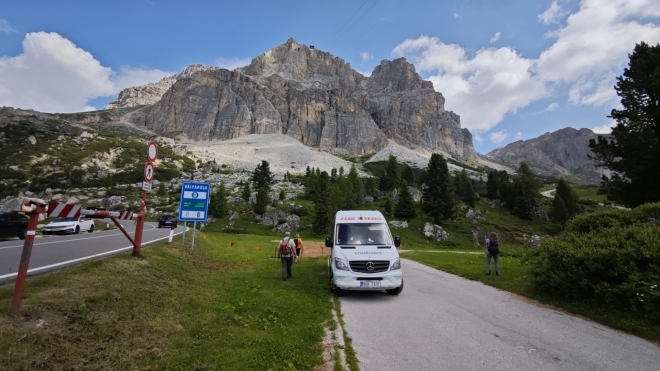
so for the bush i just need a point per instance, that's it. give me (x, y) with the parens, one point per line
(601, 220)
(611, 264)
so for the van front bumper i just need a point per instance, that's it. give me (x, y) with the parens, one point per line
(347, 280)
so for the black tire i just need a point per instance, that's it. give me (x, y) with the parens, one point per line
(176, 225)
(77, 229)
(22, 235)
(395, 291)
(159, 225)
(91, 229)
(334, 290)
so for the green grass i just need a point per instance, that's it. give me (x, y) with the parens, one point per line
(516, 278)
(589, 192)
(214, 308)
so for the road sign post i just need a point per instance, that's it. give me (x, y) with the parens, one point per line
(149, 172)
(194, 204)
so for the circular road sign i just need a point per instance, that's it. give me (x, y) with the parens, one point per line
(152, 151)
(148, 172)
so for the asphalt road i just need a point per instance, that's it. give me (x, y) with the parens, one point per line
(57, 251)
(444, 322)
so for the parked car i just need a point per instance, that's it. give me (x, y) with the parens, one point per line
(68, 225)
(13, 225)
(167, 220)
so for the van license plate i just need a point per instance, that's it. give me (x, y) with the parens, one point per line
(369, 283)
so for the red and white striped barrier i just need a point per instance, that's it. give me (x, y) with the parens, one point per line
(56, 209)
(125, 215)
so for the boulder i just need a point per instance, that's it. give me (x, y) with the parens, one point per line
(470, 214)
(540, 213)
(367, 200)
(234, 215)
(398, 224)
(31, 140)
(292, 224)
(435, 232)
(271, 219)
(534, 241)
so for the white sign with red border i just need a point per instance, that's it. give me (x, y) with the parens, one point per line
(152, 151)
(148, 172)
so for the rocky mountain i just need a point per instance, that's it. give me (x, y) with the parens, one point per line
(561, 153)
(151, 93)
(307, 94)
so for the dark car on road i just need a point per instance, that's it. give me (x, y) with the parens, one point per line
(13, 225)
(167, 220)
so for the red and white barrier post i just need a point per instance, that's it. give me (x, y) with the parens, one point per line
(33, 208)
(171, 233)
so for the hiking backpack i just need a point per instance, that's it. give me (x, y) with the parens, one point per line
(284, 247)
(494, 247)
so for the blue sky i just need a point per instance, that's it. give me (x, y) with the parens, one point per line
(511, 69)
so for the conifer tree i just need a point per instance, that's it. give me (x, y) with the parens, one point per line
(355, 187)
(323, 210)
(408, 175)
(262, 177)
(439, 200)
(246, 192)
(161, 190)
(525, 192)
(470, 196)
(282, 195)
(559, 213)
(570, 198)
(491, 185)
(262, 201)
(388, 205)
(405, 208)
(218, 204)
(390, 179)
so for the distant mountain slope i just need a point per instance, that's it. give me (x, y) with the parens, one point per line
(308, 94)
(561, 153)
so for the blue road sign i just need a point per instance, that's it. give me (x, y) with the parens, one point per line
(194, 204)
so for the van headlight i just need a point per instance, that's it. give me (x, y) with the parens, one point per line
(339, 263)
(396, 264)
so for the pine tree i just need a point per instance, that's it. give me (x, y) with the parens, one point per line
(161, 190)
(408, 175)
(470, 196)
(246, 192)
(323, 211)
(491, 184)
(354, 187)
(439, 200)
(525, 192)
(262, 201)
(388, 205)
(405, 208)
(218, 204)
(570, 198)
(390, 179)
(262, 177)
(559, 213)
(282, 195)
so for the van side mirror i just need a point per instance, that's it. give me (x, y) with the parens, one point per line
(397, 241)
(328, 242)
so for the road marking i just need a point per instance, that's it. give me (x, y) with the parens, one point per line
(33, 270)
(78, 239)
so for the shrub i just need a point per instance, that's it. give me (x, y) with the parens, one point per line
(601, 220)
(611, 264)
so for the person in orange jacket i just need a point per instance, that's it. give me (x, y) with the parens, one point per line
(299, 246)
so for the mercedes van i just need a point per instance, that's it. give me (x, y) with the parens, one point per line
(364, 255)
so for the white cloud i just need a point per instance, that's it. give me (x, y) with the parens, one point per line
(478, 138)
(5, 27)
(553, 14)
(232, 63)
(518, 135)
(54, 75)
(498, 136)
(457, 16)
(604, 129)
(366, 56)
(495, 38)
(482, 89)
(552, 106)
(591, 48)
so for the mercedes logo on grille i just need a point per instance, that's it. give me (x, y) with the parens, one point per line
(370, 266)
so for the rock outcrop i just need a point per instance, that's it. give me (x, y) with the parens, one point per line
(563, 152)
(308, 94)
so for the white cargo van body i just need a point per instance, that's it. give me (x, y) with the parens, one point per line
(364, 255)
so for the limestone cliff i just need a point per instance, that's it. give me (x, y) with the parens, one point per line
(561, 153)
(314, 97)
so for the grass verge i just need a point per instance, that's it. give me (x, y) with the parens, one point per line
(215, 308)
(516, 279)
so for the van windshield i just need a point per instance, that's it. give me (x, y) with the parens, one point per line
(362, 234)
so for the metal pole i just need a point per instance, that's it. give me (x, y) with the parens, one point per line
(19, 288)
(193, 233)
(140, 225)
(183, 240)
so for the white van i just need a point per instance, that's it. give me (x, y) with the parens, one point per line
(364, 254)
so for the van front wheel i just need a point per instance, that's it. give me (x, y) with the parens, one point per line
(395, 291)
(336, 291)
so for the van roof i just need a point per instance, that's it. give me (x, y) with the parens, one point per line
(359, 216)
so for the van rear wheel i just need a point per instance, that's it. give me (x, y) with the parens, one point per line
(395, 291)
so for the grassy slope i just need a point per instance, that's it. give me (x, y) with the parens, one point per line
(218, 307)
